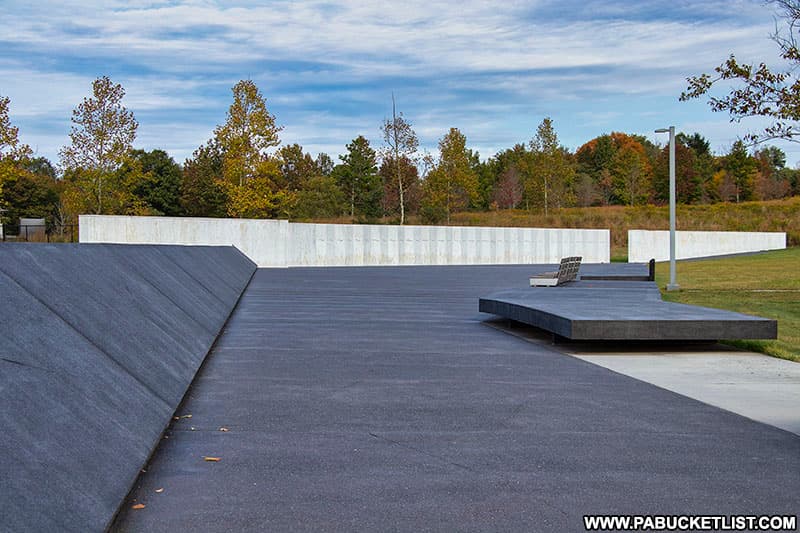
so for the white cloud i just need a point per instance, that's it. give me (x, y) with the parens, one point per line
(487, 68)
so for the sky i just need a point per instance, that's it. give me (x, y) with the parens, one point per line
(328, 68)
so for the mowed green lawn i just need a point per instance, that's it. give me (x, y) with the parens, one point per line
(765, 284)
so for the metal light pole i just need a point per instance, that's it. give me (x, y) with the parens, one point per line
(673, 284)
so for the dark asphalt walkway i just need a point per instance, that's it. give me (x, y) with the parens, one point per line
(374, 399)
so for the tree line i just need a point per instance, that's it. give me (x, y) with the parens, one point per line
(244, 171)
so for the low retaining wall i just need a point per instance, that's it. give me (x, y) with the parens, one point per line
(278, 243)
(644, 245)
(98, 345)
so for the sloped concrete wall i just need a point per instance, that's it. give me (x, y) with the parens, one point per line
(98, 344)
(644, 245)
(279, 243)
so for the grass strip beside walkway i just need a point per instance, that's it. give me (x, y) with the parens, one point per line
(765, 284)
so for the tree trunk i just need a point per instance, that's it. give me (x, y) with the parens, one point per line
(545, 196)
(402, 204)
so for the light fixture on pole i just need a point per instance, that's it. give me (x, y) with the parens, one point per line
(673, 285)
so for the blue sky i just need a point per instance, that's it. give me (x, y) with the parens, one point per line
(328, 67)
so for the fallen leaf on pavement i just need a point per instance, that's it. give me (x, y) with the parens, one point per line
(138, 506)
(211, 459)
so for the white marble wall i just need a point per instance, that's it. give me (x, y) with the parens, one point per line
(280, 243)
(341, 245)
(644, 245)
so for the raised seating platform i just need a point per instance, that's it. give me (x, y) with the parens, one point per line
(620, 310)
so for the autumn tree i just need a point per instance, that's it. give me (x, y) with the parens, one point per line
(508, 193)
(401, 144)
(258, 197)
(452, 183)
(27, 185)
(517, 160)
(10, 146)
(409, 174)
(358, 178)
(688, 189)
(12, 151)
(102, 135)
(761, 91)
(248, 132)
(771, 181)
(552, 170)
(594, 160)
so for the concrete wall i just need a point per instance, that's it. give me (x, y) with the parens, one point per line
(98, 345)
(644, 245)
(263, 241)
(278, 243)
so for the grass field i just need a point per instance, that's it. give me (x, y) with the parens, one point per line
(766, 284)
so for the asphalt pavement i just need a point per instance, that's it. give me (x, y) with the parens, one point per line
(375, 399)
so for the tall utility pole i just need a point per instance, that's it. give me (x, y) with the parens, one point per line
(673, 284)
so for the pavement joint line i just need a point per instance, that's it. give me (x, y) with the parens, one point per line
(399, 444)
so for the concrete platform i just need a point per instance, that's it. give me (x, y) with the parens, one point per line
(620, 310)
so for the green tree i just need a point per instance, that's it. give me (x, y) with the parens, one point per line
(741, 168)
(40, 166)
(453, 183)
(552, 171)
(321, 197)
(155, 178)
(203, 193)
(101, 137)
(297, 167)
(704, 165)
(324, 164)
(632, 173)
(29, 195)
(401, 144)
(249, 131)
(762, 92)
(358, 178)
